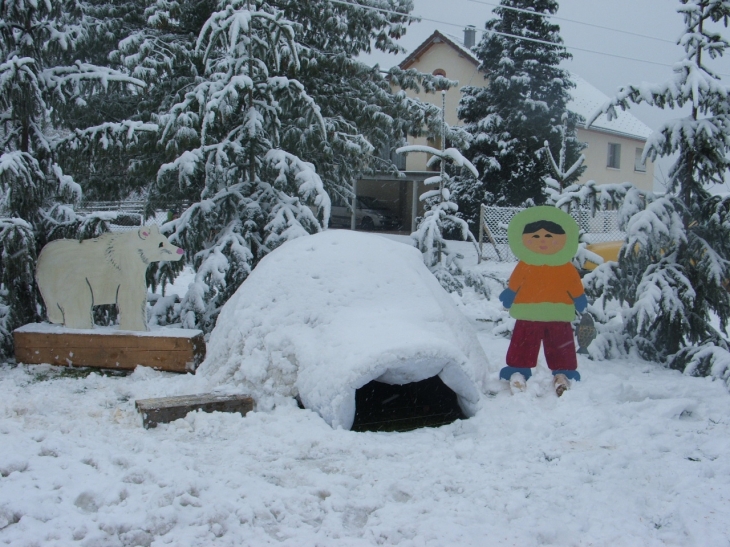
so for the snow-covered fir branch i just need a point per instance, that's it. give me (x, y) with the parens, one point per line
(440, 217)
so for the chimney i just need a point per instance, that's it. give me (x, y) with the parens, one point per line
(470, 36)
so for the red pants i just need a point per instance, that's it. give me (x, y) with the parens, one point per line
(557, 338)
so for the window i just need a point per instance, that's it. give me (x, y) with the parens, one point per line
(614, 155)
(638, 164)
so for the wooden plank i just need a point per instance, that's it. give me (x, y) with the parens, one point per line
(178, 353)
(168, 409)
(154, 339)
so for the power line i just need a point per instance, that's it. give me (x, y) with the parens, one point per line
(524, 38)
(558, 18)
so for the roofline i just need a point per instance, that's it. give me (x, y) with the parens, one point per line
(438, 37)
(613, 132)
(430, 41)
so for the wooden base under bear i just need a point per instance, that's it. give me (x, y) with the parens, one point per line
(172, 350)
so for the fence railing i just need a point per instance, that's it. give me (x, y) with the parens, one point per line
(129, 206)
(132, 207)
(493, 222)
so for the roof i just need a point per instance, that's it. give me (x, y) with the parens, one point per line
(437, 38)
(586, 99)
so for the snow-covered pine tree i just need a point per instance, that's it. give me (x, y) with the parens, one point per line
(440, 216)
(359, 112)
(362, 113)
(674, 268)
(115, 171)
(226, 132)
(161, 51)
(560, 173)
(40, 75)
(520, 108)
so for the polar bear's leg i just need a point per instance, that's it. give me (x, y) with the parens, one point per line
(54, 310)
(132, 306)
(77, 309)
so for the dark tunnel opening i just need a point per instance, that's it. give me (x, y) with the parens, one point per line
(386, 407)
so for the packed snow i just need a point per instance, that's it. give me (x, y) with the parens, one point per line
(634, 454)
(322, 316)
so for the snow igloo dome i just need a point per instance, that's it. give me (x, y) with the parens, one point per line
(323, 315)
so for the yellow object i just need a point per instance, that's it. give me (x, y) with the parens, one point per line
(608, 250)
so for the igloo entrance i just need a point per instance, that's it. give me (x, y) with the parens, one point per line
(393, 407)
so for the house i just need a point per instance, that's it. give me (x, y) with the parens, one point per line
(614, 148)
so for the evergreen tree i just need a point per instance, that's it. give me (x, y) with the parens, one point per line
(106, 170)
(521, 107)
(40, 76)
(227, 133)
(674, 268)
(361, 113)
(440, 218)
(292, 92)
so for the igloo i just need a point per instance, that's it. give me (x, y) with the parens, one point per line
(324, 315)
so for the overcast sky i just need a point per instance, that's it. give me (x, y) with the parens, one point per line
(657, 19)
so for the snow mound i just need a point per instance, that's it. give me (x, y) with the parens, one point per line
(323, 315)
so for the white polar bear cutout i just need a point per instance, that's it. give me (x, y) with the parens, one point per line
(73, 276)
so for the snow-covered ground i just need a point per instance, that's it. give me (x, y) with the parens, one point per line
(633, 455)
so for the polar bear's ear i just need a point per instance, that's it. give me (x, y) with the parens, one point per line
(146, 231)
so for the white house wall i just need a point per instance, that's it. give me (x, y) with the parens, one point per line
(457, 67)
(596, 154)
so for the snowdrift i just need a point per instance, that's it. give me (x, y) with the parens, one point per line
(323, 315)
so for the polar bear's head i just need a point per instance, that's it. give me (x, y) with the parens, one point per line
(153, 246)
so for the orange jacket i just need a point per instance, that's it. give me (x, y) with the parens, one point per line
(545, 293)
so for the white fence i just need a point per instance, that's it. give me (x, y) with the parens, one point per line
(130, 207)
(603, 226)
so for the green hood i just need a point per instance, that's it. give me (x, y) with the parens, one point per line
(544, 212)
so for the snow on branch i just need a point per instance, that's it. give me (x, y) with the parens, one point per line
(59, 79)
(659, 290)
(185, 165)
(708, 359)
(690, 84)
(66, 184)
(660, 224)
(451, 154)
(108, 134)
(305, 174)
(232, 28)
(594, 196)
(10, 69)
(20, 175)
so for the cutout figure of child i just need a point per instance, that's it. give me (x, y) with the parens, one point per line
(544, 293)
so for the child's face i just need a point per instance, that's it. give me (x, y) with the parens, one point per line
(544, 242)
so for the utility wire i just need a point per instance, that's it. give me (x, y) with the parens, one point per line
(558, 18)
(524, 38)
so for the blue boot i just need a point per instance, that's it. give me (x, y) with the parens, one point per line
(507, 372)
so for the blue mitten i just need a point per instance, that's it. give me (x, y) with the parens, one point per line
(507, 297)
(581, 303)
